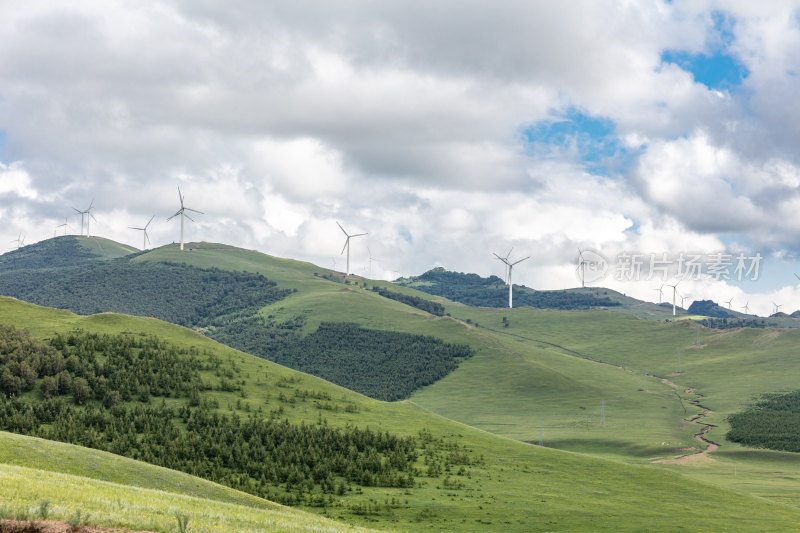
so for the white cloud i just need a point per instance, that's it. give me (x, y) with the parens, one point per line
(402, 119)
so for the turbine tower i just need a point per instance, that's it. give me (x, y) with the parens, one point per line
(371, 259)
(182, 213)
(510, 282)
(20, 241)
(86, 212)
(660, 293)
(64, 225)
(347, 246)
(674, 294)
(146, 239)
(582, 267)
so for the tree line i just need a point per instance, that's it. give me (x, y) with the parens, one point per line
(386, 365)
(474, 290)
(106, 393)
(772, 422)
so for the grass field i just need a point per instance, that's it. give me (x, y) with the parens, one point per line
(116, 492)
(552, 375)
(517, 487)
(575, 380)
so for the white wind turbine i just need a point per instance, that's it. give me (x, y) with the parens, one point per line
(505, 261)
(729, 302)
(347, 246)
(145, 239)
(371, 259)
(88, 211)
(582, 267)
(182, 213)
(683, 297)
(776, 308)
(746, 308)
(510, 282)
(64, 225)
(20, 241)
(674, 295)
(660, 293)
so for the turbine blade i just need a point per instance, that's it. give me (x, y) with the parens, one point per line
(345, 244)
(176, 214)
(193, 210)
(79, 212)
(151, 219)
(341, 228)
(520, 261)
(180, 196)
(359, 234)
(187, 216)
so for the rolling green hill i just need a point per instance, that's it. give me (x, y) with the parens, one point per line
(60, 252)
(601, 382)
(504, 485)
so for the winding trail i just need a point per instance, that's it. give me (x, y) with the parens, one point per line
(710, 445)
(689, 458)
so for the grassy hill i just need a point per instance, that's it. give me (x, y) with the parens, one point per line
(552, 375)
(119, 492)
(512, 486)
(65, 251)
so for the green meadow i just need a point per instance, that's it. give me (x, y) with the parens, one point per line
(601, 390)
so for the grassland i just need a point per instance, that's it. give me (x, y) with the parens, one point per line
(116, 492)
(514, 487)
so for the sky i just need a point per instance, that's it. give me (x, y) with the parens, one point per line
(660, 138)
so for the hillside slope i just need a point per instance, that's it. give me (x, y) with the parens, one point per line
(571, 492)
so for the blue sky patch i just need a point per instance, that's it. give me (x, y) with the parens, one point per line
(592, 140)
(715, 68)
(717, 71)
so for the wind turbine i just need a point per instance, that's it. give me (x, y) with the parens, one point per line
(510, 282)
(674, 294)
(683, 297)
(20, 241)
(777, 307)
(347, 245)
(505, 261)
(370, 261)
(64, 225)
(182, 213)
(729, 302)
(146, 239)
(582, 267)
(660, 293)
(746, 308)
(86, 212)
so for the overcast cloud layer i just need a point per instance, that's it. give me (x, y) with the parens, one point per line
(447, 130)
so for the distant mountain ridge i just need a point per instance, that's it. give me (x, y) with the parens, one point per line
(64, 251)
(477, 291)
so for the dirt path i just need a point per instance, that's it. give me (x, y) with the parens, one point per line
(710, 445)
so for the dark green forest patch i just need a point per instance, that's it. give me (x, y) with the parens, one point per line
(108, 392)
(422, 304)
(177, 293)
(772, 422)
(472, 289)
(386, 365)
